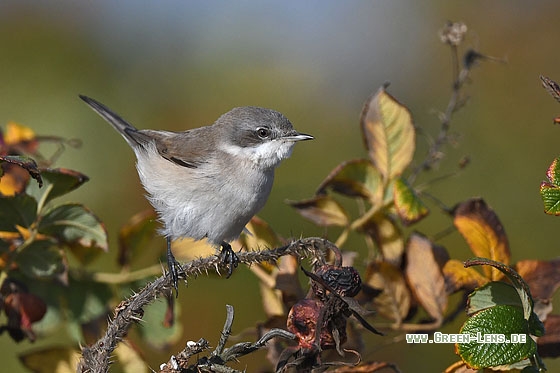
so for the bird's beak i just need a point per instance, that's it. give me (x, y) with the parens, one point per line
(298, 137)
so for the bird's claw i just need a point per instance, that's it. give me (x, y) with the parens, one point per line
(229, 258)
(174, 268)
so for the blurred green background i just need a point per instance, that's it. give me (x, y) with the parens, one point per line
(180, 64)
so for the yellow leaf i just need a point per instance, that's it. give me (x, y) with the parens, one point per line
(188, 249)
(259, 236)
(394, 300)
(51, 360)
(272, 301)
(16, 133)
(388, 133)
(484, 233)
(9, 236)
(322, 210)
(13, 181)
(387, 236)
(458, 277)
(129, 359)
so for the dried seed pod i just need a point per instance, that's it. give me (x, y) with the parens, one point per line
(345, 281)
(303, 319)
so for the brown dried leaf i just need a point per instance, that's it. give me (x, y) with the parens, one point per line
(458, 277)
(549, 344)
(425, 277)
(394, 301)
(388, 237)
(542, 276)
(484, 233)
(322, 210)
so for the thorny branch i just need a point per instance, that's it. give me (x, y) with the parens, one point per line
(96, 358)
(215, 362)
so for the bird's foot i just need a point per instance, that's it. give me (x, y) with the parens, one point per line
(229, 258)
(174, 268)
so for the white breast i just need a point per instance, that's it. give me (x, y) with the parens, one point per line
(204, 202)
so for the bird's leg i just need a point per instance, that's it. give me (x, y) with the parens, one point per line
(172, 265)
(229, 257)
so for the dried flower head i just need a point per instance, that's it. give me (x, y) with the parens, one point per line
(453, 33)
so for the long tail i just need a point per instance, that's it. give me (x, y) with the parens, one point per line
(127, 130)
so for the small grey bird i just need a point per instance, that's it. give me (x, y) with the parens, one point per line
(208, 182)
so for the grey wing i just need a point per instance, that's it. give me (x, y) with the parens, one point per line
(181, 148)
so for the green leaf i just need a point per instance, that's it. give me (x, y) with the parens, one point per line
(355, 178)
(550, 190)
(322, 210)
(62, 180)
(26, 163)
(41, 259)
(490, 295)
(409, 207)
(388, 133)
(136, 235)
(73, 224)
(18, 210)
(87, 300)
(517, 281)
(153, 330)
(553, 172)
(550, 195)
(503, 319)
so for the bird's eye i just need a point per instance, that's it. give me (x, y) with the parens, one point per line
(263, 132)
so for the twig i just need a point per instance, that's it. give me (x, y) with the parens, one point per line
(96, 358)
(445, 121)
(226, 332)
(217, 360)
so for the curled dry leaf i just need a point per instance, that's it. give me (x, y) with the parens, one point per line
(425, 277)
(549, 344)
(483, 231)
(393, 302)
(322, 210)
(543, 277)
